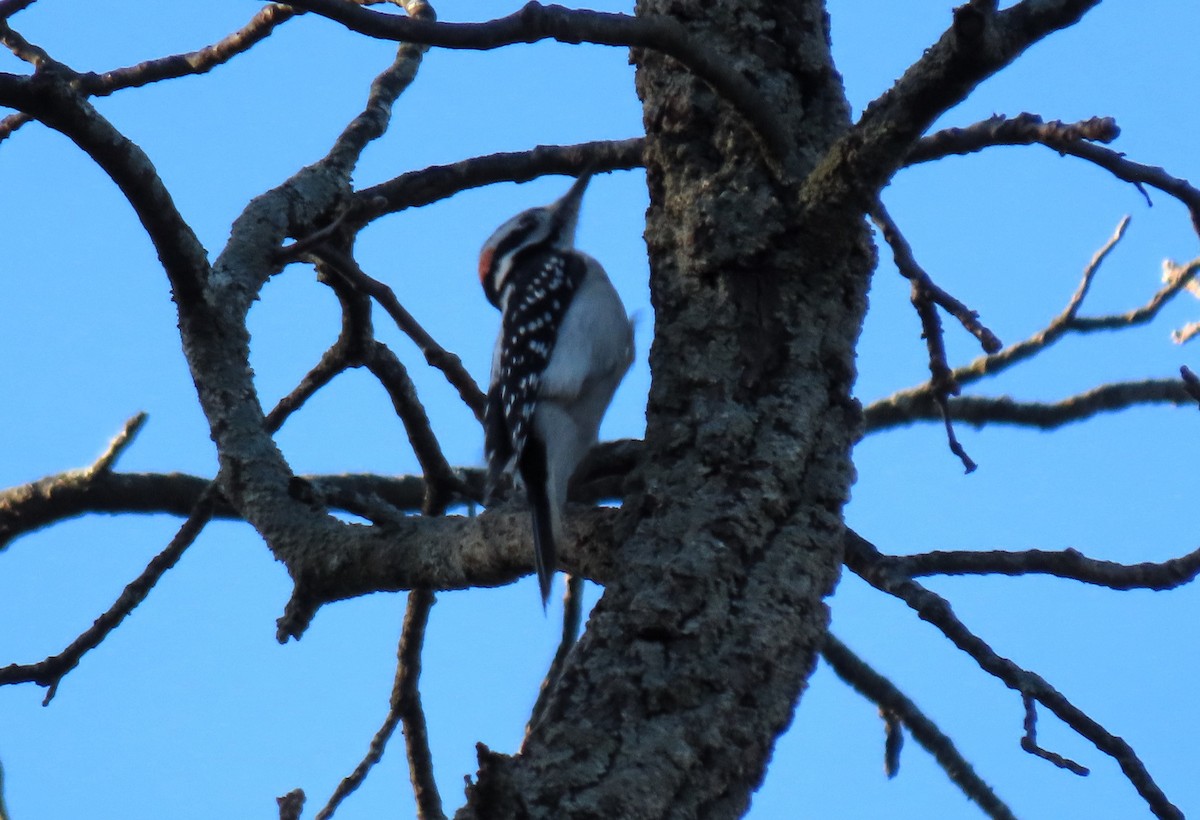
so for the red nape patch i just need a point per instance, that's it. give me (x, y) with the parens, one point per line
(485, 263)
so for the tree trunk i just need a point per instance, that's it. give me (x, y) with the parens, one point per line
(699, 650)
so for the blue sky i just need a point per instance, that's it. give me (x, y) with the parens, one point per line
(191, 709)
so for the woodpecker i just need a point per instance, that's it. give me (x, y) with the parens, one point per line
(565, 343)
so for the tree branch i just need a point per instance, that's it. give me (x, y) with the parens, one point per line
(405, 706)
(980, 42)
(435, 354)
(1069, 563)
(879, 690)
(50, 96)
(372, 122)
(865, 561)
(572, 620)
(1076, 139)
(436, 182)
(909, 406)
(942, 384)
(1023, 129)
(52, 670)
(201, 61)
(536, 22)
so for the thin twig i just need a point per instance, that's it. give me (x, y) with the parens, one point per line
(942, 384)
(881, 691)
(916, 404)
(911, 270)
(1078, 140)
(407, 700)
(437, 182)
(119, 444)
(201, 61)
(1029, 742)
(440, 479)
(572, 619)
(1059, 326)
(1069, 563)
(333, 361)
(3, 806)
(1023, 129)
(893, 742)
(52, 670)
(372, 121)
(435, 354)
(405, 707)
(865, 560)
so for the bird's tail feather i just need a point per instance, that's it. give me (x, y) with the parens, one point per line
(545, 513)
(544, 549)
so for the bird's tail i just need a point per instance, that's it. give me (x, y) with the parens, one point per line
(544, 548)
(545, 513)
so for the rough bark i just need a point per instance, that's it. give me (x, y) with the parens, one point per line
(697, 654)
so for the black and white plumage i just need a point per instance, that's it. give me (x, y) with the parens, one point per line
(565, 343)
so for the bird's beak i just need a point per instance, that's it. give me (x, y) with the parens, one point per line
(566, 210)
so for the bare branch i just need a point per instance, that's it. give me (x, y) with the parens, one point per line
(893, 742)
(436, 182)
(980, 42)
(1186, 333)
(406, 700)
(1029, 742)
(22, 48)
(879, 690)
(435, 354)
(3, 807)
(441, 482)
(908, 406)
(405, 707)
(119, 444)
(1023, 129)
(572, 619)
(942, 384)
(372, 122)
(52, 670)
(332, 362)
(1176, 277)
(1138, 174)
(536, 22)
(11, 123)
(865, 561)
(29, 507)
(49, 96)
(911, 270)
(919, 402)
(201, 61)
(1068, 563)
(1077, 139)
(1058, 327)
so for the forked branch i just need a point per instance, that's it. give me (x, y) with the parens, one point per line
(865, 561)
(881, 691)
